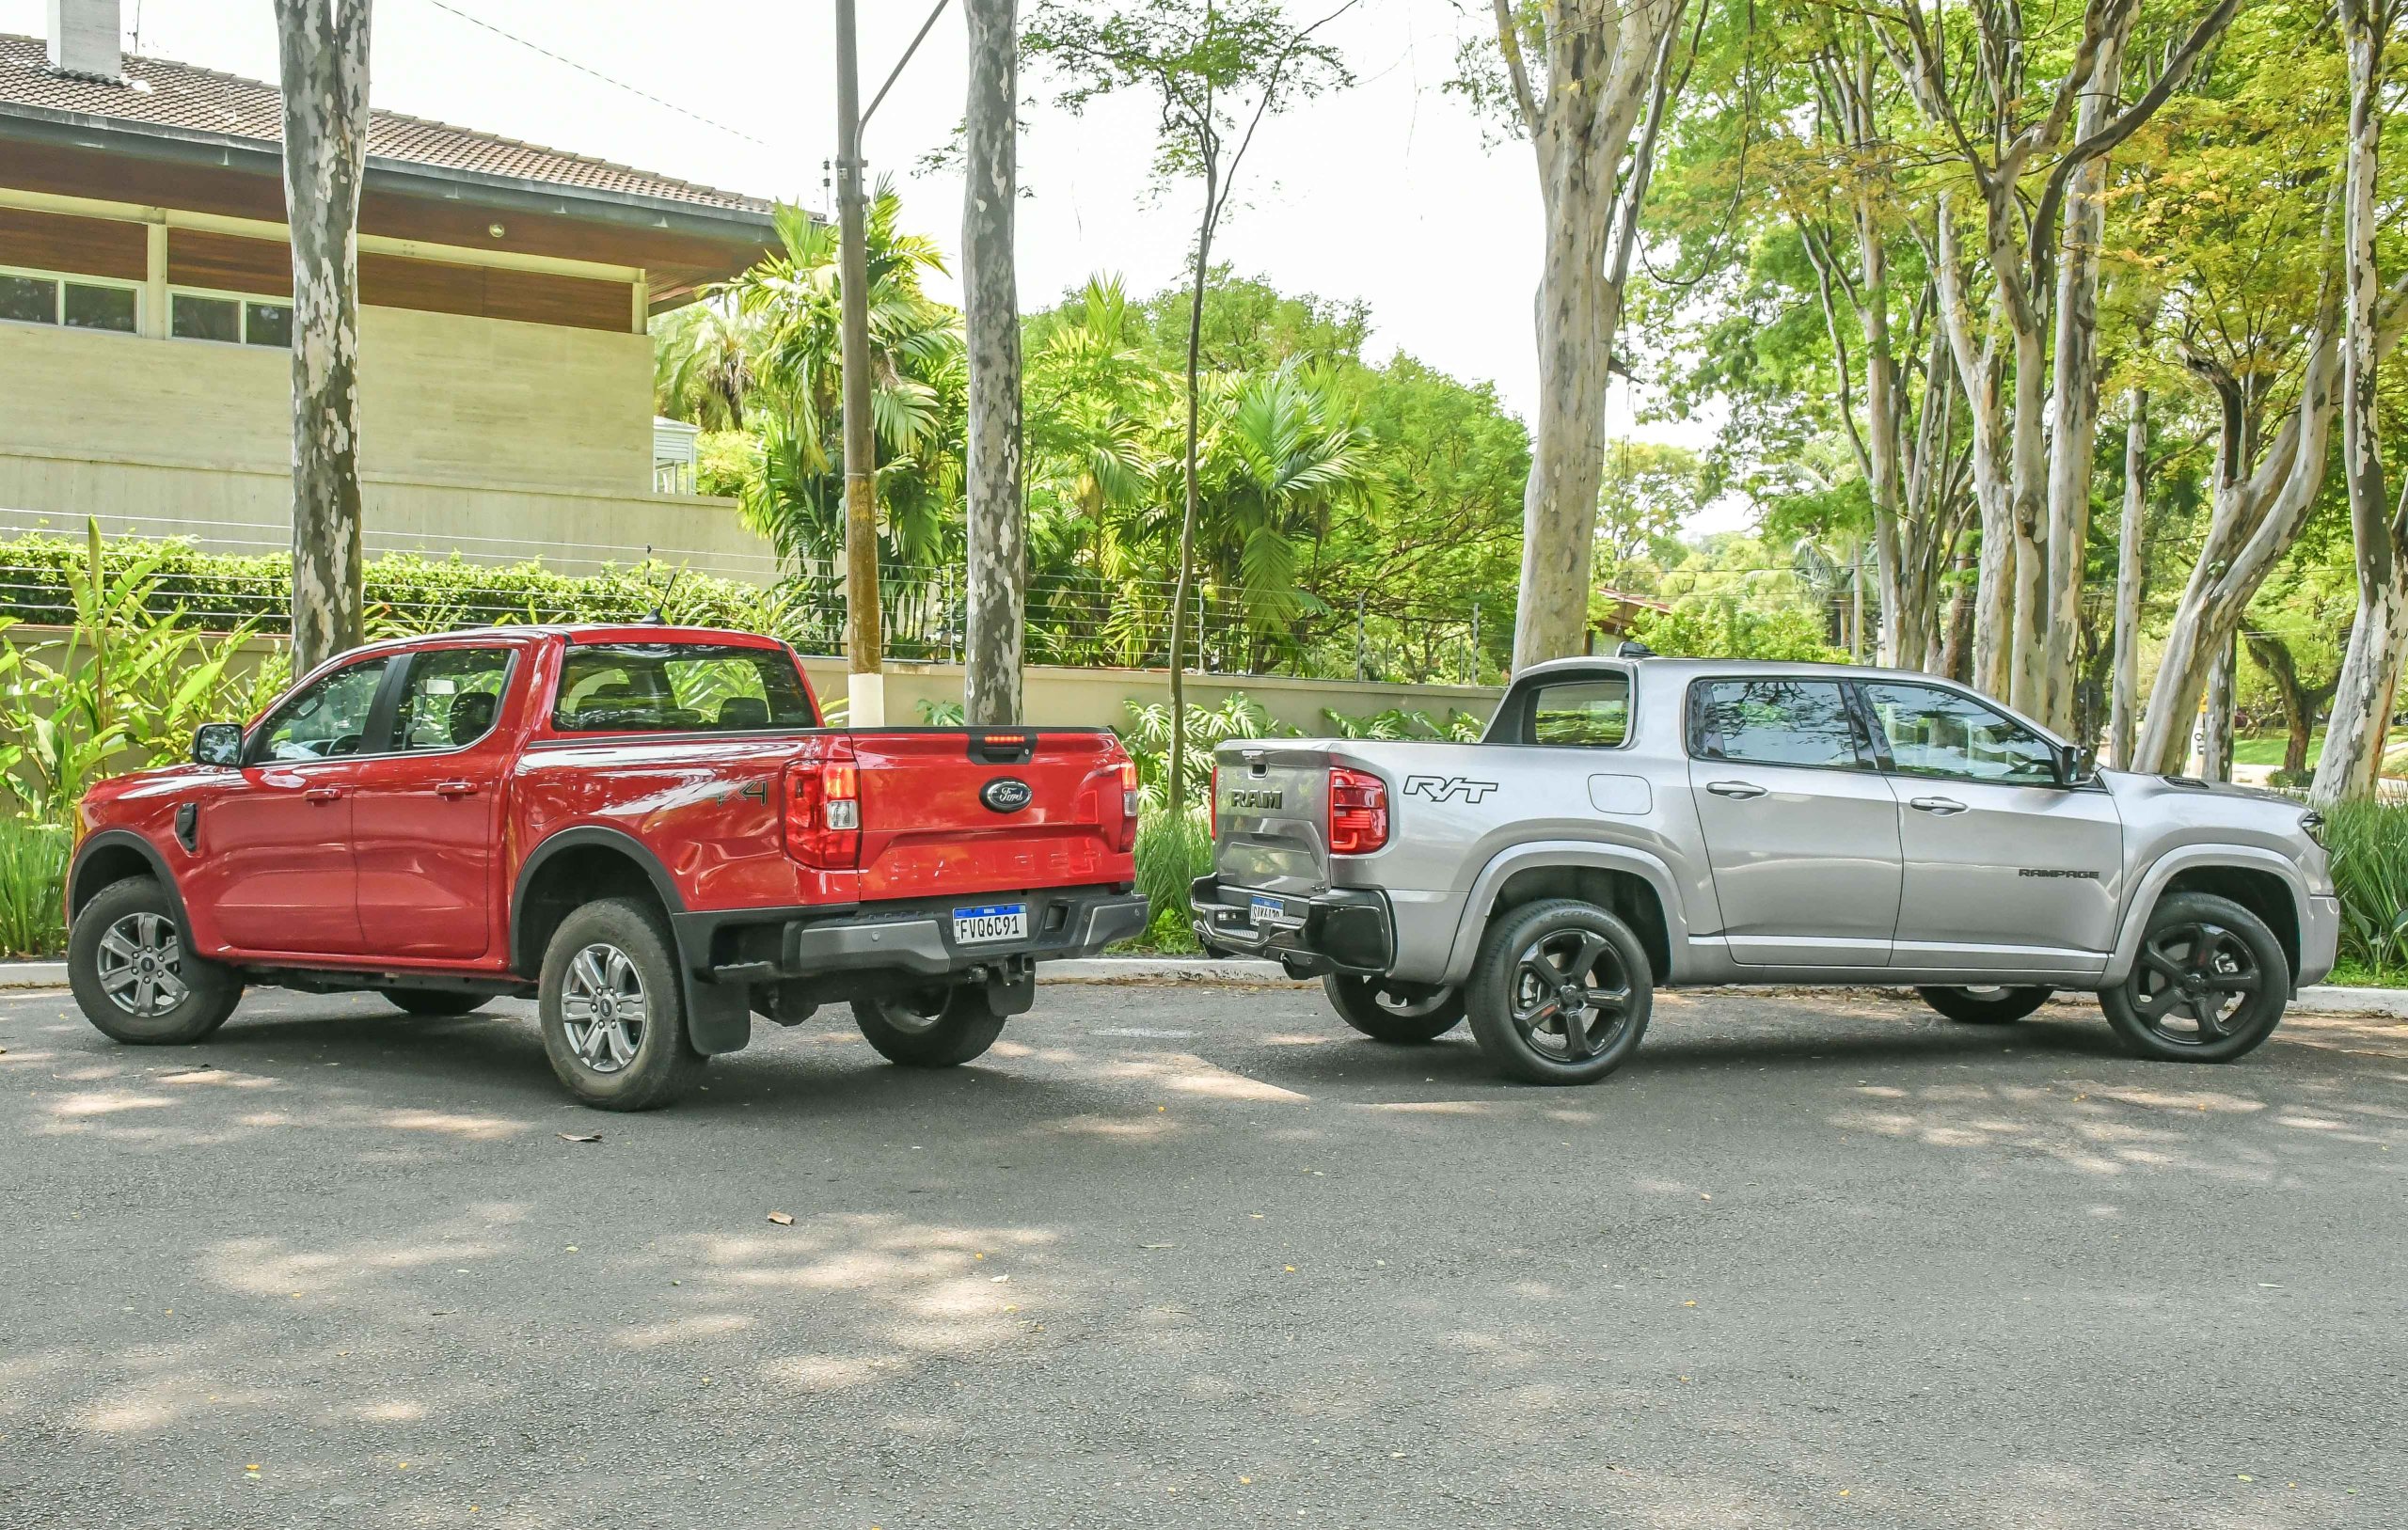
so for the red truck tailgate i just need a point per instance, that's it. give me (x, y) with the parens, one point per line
(939, 815)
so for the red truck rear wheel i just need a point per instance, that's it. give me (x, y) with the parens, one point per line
(613, 1014)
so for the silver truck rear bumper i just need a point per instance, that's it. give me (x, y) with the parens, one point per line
(1345, 930)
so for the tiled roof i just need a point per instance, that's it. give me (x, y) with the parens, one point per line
(162, 93)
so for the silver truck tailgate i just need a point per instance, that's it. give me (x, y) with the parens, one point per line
(1271, 816)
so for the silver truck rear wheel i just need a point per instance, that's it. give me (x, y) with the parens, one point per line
(1398, 1016)
(1561, 992)
(1984, 1006)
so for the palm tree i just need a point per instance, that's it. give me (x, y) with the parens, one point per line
(787, 308)
(1279, 461)
(701, 363)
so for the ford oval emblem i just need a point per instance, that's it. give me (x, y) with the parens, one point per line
(1005, 794)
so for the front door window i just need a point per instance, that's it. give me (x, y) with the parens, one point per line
(325, 720)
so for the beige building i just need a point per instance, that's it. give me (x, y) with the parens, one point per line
(506, 377)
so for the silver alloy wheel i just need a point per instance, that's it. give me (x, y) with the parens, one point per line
(141, 963)
(603, 1007)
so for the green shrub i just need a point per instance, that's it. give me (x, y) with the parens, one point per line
(33, 876)
(2369, 847)
(1171, 853)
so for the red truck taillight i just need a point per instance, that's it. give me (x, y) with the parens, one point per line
(1358, 812)
(824, 809)
(1126, 772)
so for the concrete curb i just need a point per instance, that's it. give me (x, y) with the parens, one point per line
(1178, 971)
(33, 974)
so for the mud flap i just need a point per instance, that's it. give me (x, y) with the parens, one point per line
(718, 1015)
(1013, 990)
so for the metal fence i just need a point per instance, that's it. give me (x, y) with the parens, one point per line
(1078, 620)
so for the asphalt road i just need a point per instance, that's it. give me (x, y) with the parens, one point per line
(1181, 1256)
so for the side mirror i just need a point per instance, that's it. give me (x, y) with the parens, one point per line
(217, 743)
(2076, 764)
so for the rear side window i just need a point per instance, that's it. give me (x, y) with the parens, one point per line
(1787, 722)
(678, 687)
(452, 697)
(1592, 711)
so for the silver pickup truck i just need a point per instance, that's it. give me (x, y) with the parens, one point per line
(1633, 824)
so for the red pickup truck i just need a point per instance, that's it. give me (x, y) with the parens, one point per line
(645, 826)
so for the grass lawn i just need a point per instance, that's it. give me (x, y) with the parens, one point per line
(2267, 749)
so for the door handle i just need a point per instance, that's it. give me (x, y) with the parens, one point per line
(322, 794)
(1940, 805)
(1741, 790)
(455, 788)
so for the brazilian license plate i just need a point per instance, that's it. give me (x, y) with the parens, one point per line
(989, 922)
(1263, 911)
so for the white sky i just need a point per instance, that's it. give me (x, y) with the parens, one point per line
(1386, 192)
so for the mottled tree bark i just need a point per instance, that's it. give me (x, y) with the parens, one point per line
(323, 60)
(2073, 426)
(2371, 666)
(2298, 701)
(998, 552)
(2215, 718)
(1605, 60)
(2132, 573)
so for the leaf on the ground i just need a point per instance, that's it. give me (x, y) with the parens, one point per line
(1158, 1245)
(998, 1279)
(580, 1136)
(784, 1219)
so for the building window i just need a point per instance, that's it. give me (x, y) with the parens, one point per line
(233, 320)
(28, 298)
(99, 307)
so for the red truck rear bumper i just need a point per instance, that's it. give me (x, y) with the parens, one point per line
(782, 963)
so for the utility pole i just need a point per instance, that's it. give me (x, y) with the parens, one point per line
(866, 686)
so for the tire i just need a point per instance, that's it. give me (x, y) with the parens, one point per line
(613, 1054)
(1532, 958)
(1986, 1006)
(132, 977)
(435, 1003)
(1385, 1014)
(2209, 984)
(933, 1028)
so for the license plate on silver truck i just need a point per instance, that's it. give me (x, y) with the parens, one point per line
(989, 922)
(1261, 910)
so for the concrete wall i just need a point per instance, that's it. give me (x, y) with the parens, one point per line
(444, 398)
(501, 441)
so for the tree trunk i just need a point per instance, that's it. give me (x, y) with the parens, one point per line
(2254, 518)
(1980, 374)
(2074, 403)
(1175, 790)
(997, 528)
(323, 61)
(864, 637)
(2299, 702)
(1603, 60)
(2131, 572)
(2215, 718)
(2370, 667)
